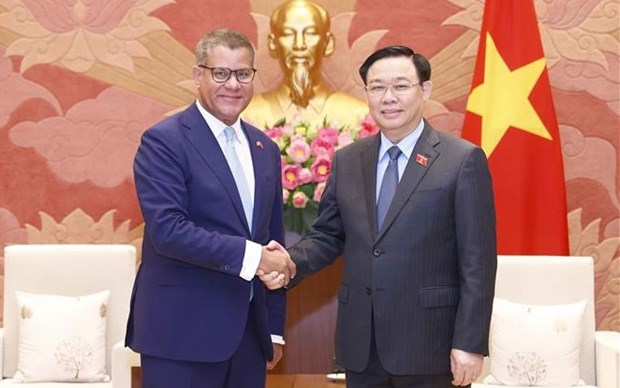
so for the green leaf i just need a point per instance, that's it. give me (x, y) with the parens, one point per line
(280, 122)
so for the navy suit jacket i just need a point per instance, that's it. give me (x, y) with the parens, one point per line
(189, 302)
(425, 281)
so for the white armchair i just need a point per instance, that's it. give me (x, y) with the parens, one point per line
(553, 280)
(71, 270)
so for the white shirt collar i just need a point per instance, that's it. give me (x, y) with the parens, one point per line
(217, 126)
(406, 145)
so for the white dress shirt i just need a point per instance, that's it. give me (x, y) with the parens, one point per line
(406, 146)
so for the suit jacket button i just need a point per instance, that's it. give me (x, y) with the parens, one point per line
(368, 291)
(376, 252)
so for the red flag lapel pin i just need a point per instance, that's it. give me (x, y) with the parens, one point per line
(421, 159)
(259, 144)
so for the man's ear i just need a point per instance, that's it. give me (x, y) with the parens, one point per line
(330, 44)
(427, 86)
(271, 43)
(196, 75)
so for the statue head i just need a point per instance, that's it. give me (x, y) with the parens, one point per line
(300, 38)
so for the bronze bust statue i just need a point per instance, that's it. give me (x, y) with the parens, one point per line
(300, 38)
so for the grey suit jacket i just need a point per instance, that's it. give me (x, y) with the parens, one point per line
(427, 277)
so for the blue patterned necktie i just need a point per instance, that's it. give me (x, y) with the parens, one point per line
(388, 185)
(238, 174)
(242, 183)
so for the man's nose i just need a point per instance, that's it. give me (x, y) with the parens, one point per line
(299, 42)
(388, 95)
(233, 82)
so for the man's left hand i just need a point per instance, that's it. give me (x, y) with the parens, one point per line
(277, 355)
(273, 280)
(466, 367)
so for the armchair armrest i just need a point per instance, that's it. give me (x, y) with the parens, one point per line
(607, 359)
(123, 359)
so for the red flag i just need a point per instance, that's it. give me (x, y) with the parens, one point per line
(423, 160)
(510, 114)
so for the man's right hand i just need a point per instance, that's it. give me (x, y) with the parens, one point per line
(275, 268)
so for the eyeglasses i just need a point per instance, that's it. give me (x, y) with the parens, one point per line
(398, 89)
(223, 74)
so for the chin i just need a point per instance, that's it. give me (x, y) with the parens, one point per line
(229, 117)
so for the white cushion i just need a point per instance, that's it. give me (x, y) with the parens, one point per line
(10, 383)
(491, 381)
(62, 338)
(535, 345)
(490, 384)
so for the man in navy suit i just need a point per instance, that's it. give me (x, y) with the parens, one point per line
(411, 213)
(209, 187)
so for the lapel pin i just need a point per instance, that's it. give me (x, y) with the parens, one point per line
(423, 160)
(259, 144)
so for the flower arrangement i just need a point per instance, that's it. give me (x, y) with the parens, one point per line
(306, 155)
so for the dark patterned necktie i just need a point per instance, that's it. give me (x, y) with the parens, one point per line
(388, 185)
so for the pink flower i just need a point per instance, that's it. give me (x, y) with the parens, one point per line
(321, 147)
(300, 200)
(329, 135)
(299, 151)
(290, 176)
(305, 176)
(306, 153)
(318, 191)
(287, 130)
(369, 127)
(344, 139)
(297, 137)
(321, 168)
(274, 133)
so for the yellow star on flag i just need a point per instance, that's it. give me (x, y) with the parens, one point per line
(502, 99)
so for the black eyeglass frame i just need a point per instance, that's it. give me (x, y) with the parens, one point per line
(230, 73)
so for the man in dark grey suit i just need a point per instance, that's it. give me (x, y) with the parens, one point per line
(414, 306)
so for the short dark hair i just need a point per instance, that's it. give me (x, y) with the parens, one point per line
(222, 37)
(421, 64)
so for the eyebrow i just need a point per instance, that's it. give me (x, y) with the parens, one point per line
(400, 78)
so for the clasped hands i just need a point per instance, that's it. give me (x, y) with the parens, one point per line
(275, 268)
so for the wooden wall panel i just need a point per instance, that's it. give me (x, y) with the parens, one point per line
(310, 325)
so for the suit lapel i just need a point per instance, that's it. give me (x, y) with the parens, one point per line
(202, 139)
(413, 174)
(369, 157)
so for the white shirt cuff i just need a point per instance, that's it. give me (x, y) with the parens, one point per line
(277, 339)
(251, 260)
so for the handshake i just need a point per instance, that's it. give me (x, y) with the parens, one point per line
(275, 268)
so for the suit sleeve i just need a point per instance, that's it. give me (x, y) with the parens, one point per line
(477, 253)
(324, 242)
(161, 171)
